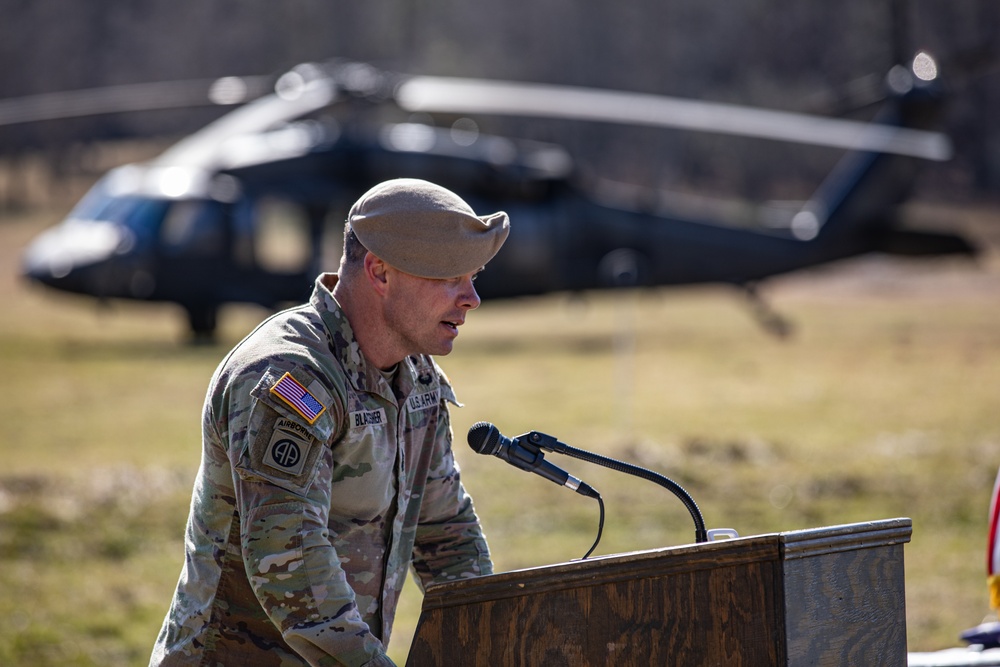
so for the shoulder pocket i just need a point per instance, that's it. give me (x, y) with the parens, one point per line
(283, 445)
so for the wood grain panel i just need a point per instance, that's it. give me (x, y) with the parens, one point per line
(819, 597)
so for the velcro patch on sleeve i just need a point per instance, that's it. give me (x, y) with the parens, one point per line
(283, 450)
(288, 448)
(289, 390)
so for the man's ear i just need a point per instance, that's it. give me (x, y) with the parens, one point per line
(376, 272)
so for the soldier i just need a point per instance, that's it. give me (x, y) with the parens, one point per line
(327, 468)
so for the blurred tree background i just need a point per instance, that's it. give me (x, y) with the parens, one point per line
(819, 57)
(883, 406)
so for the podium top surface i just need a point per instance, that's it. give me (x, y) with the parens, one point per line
(783, 546)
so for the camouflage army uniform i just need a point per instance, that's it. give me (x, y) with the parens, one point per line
(308, 507)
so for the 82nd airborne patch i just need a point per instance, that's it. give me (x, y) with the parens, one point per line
(288, 448)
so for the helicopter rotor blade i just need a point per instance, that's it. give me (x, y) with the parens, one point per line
(132, 97)
(290, 101)
(457, 95)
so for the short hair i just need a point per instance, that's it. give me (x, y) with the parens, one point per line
(354, 250)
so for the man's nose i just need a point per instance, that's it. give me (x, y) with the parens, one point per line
(469, 298)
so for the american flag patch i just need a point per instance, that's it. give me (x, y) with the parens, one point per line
(290, 391)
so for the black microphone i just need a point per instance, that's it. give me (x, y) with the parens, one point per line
(485, 438)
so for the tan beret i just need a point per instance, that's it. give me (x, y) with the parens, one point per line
(426, 230)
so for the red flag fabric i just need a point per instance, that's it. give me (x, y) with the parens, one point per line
(993, 548)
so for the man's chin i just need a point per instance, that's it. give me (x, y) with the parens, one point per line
(443, 350)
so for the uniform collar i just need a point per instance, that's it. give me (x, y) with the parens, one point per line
(414, 374)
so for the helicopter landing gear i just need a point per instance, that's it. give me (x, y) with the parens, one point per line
(202, 320)
(772, 321)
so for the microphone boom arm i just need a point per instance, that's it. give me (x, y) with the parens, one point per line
(551, 444)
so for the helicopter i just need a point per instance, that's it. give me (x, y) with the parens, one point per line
(237, 212)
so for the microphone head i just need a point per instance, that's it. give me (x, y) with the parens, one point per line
(484, 438)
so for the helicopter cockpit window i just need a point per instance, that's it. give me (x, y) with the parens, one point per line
(140, 214)
(281, 236)
(194, 228)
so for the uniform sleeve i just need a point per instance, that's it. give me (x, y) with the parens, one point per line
(282, 484)
(450, 543)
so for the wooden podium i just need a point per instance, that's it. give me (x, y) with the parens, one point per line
(825, 596)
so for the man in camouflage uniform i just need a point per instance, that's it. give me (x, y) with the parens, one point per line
(327, 468)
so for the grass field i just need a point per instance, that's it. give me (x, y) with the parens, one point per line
(883, 403)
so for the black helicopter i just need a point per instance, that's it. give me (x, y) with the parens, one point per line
(199, 225)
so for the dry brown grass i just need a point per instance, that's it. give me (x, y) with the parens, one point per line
(883, 403)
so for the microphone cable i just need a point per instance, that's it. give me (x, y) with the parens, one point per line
(600, 526)
(549, 443)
